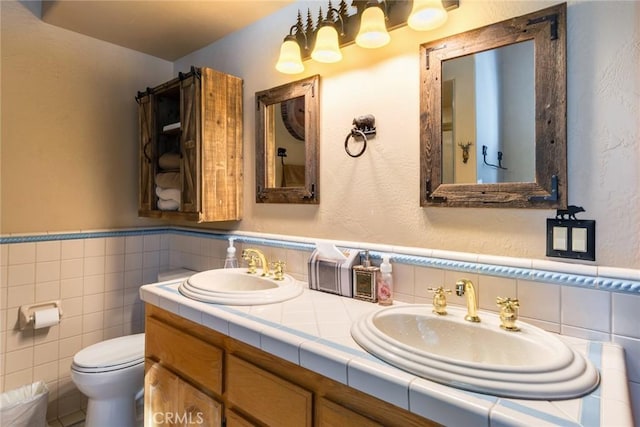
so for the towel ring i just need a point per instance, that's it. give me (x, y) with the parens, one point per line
(354, 133)
(362, 126)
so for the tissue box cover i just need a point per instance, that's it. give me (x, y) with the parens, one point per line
(332, 276)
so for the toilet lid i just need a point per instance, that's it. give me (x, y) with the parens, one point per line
(111, 353)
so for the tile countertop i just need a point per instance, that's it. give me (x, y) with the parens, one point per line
(313, 331)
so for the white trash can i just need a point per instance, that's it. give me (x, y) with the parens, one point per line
(25, 406)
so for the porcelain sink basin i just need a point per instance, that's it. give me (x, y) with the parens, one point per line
(234, 286)
(480, 357)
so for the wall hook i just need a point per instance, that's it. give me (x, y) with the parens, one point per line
(465, 151)
(362, 126)
(484, 158)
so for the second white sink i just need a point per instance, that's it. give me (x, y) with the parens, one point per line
(233, 286)
(481, 357)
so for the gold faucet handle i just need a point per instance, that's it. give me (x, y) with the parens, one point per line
(252, 263)
(439, 300)
(508, 313)
(278, 267)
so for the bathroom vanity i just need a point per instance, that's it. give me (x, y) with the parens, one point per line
(294, 363)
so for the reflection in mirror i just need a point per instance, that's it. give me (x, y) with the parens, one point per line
(287, 141)
(493, 115)
(287, 138)
(491, 95)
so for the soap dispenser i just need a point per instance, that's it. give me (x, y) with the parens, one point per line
(365, 277)
(385, 282)
(231, 261)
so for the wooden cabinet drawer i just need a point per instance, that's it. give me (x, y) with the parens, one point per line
(189, 356)
(266, 397)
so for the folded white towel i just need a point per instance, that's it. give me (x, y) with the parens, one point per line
(169, 161)
(168, 193)
(168, 205)
(168, 180)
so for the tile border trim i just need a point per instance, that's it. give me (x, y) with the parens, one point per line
(522, 269)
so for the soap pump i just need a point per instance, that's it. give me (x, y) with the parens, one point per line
(231, 261)
(385, 282)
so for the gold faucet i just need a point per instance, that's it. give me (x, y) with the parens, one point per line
(439, 300)
(465, 287)
(508, 313)
(246, 255)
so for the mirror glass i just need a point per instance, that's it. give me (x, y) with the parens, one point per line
(286, 143)
(488, 108)
(493, 115)
(287, 139)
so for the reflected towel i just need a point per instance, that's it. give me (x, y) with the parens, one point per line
(168, 205)
(293, 176)
(168, 180)
(169, 161)
(168, 193)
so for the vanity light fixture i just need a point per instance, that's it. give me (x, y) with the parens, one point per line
(327, 46)
(373, 27)
(427, 15)
(290, 60)
(368, 27)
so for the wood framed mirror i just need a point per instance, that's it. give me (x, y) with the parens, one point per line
(493, 115)
(287, 142)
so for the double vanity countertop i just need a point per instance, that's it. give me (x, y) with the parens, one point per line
(313, 331)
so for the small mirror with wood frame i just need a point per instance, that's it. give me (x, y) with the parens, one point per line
(493, 115)
(287, 141)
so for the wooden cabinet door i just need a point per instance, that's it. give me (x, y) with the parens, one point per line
(197, 408)
(266, 397)
(190, 140)
(161, 387)
(234, 419)
(330, 414)
(146, 155)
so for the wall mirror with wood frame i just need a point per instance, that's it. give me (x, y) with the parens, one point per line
(493, 115)
(287, 141)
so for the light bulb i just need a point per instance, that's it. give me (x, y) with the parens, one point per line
(290, 60)
(373, 30)
(427, 15)
(327, 48)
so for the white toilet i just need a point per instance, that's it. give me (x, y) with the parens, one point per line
(111, 374)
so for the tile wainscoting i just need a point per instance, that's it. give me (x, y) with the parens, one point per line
(97, 276)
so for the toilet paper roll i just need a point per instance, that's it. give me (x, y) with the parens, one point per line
(46, 317)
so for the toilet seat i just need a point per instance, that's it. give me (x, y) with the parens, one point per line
(110, 355)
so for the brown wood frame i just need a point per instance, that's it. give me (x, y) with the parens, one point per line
(309, 194)
(547, 29)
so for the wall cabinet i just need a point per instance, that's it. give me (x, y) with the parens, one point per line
(190, 148)
(248, 386)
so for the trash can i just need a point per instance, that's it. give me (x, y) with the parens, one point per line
(25, 406)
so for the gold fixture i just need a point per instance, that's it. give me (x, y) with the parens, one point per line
(440, 300)
(427, 15)
(508, 313)
(368, 27)
(249, 254)
(465, 287)
(278, 270)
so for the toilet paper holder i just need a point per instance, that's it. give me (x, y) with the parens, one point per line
(26, 315)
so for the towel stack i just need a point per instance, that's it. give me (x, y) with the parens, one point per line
(168, 182)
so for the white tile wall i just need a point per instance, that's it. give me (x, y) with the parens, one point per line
(97, 281)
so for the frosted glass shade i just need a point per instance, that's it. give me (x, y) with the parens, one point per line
(327, 48)
(427, 15)
(373, 29)
(290, 60)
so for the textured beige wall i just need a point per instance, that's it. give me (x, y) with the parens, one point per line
(69, 126)
(375, 198)
(69, 131)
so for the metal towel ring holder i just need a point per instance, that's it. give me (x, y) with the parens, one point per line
(362, 126)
